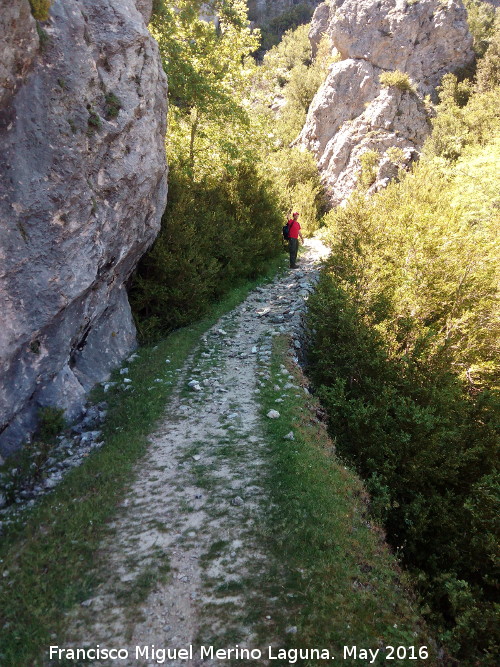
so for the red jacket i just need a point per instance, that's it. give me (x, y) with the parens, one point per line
(293, 229)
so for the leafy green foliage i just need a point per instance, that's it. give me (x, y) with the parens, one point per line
(458, 125)
(222, 222)
(206, 63)
(405, 324)
(282, 90)
(488, 71)
(297, 185)
(113, 105)
(214, 233)
(369, 164)
(298, 15)
(40, 9)
(51, 422)
(396, 79)
(290, 74)
(481, 19)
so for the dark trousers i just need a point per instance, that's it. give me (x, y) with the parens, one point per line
(293, 247)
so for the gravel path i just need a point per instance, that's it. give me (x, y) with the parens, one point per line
(193, 519)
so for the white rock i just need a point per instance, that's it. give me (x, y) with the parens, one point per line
(273, 414)
(352, 112)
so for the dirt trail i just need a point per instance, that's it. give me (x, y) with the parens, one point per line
(192, 519)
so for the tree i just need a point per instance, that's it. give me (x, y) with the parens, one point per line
(206, 48)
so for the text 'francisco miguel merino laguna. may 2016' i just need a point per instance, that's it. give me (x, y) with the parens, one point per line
(291, 655)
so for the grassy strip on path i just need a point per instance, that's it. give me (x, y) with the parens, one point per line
(343, 585)
(47, 557)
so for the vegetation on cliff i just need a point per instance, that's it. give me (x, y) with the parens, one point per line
(40, 9)
(405, 329)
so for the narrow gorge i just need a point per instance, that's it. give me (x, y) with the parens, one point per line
(209, 453)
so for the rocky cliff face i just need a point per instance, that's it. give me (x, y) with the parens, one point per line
(353, 112)
(82, 190)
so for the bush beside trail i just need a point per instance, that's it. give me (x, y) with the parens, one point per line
(213, 234)
(404, 353)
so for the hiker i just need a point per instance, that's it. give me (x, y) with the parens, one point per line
(293, 239)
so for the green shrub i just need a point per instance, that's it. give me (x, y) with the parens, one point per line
(397, 79)
(290, 19)
(454, 93)
(290, 64)
(369, 166)
(43, 36)
(396, 155)
(213, 234)
(113, 105)
(456, 128)
(297, 184)
(40, 9)
(481, 19)
(94, 121)
(404, 328)
(488, 70)
(158, 8)
(50, 422)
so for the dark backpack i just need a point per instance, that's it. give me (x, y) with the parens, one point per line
(286, 232)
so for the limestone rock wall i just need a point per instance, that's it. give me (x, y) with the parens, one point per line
(82, 191)
(352, 112)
